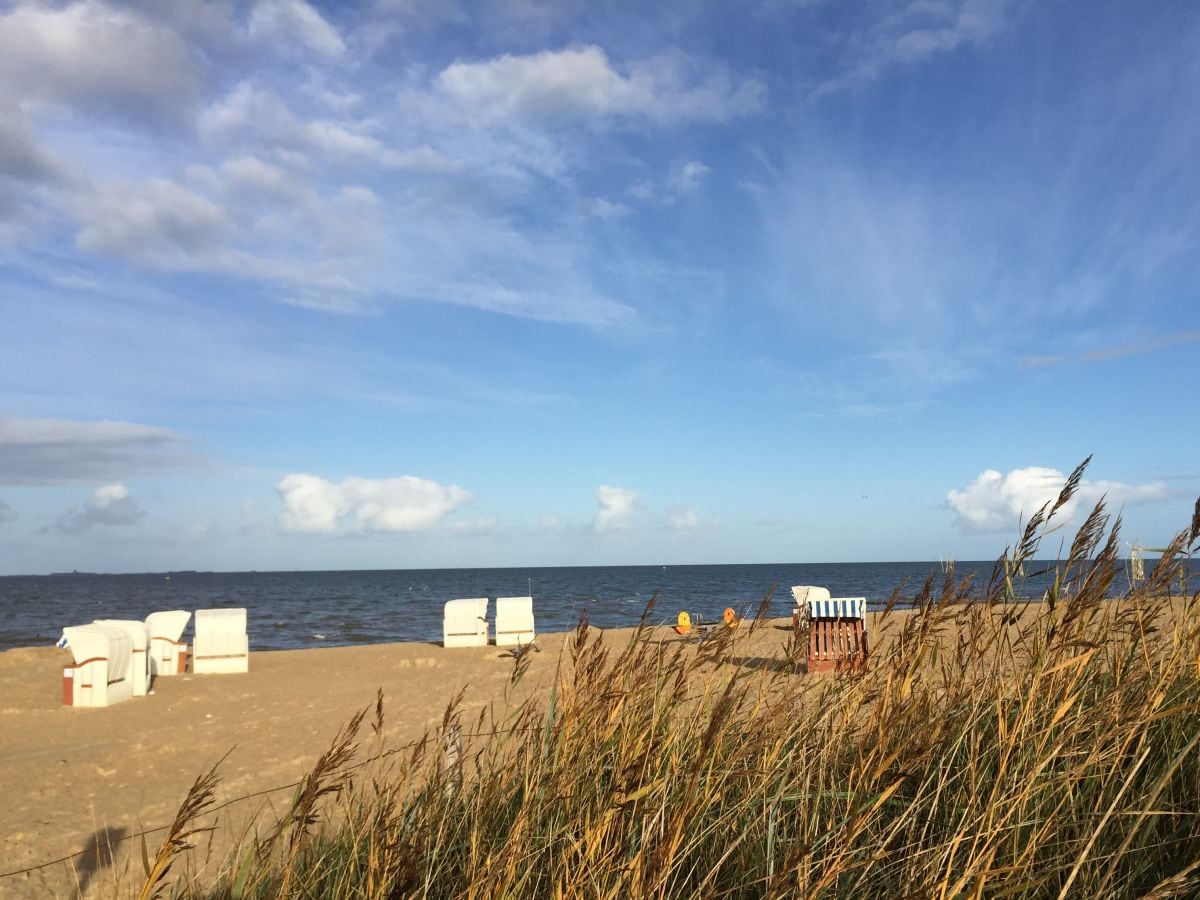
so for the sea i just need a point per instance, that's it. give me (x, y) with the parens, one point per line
(288, 610)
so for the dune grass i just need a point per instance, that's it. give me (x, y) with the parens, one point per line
(993, 748)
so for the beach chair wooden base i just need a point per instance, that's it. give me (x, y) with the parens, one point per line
(837, 645)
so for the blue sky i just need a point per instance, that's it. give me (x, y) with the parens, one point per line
(411, 284)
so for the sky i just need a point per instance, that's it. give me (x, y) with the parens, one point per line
(409, 284)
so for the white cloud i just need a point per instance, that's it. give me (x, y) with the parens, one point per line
(314, 505)
(258, 175)
(110, 504)
(22, 156)
(286, 20)
(996, 502)
(579, 83)
(49, 451)
(90, 53)
(685, 521)
(258, 115)
(685, 177)
(914, 31)
(617, 505)
(7, 513)
(600, 208)
(156, 223)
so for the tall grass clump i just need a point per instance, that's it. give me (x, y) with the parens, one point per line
(992, 748)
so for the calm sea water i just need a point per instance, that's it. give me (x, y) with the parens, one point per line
(310, 609)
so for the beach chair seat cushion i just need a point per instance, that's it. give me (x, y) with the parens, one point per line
(464, 623)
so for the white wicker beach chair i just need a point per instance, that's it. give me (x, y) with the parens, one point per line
(168, 652)
(802, 593)
(102, 673)
(464, 623)
(220, 644)
(140, 670)
(514, 621)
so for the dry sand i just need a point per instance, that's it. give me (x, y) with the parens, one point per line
(72, 778)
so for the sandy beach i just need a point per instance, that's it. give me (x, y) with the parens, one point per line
(75, 779)
(84, 779)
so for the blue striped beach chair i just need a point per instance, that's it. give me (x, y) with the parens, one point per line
(837, 634)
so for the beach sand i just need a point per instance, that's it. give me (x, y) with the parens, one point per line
(72, 779)
(78, 778)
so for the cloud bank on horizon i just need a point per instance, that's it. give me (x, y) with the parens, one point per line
(800, 263)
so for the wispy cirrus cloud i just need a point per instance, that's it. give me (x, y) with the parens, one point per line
(289, 21)
(912, 31)
(1118, 351)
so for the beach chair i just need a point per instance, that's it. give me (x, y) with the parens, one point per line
(168, 652)
(220, 644)
(140, 670)
(802, 593)
(837, 634)
(464, 623)
(102, 673)
(514, 621)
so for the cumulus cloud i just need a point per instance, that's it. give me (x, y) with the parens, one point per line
(294, 20)
(685, 521)
(110, 504)
(53, 451)
(617, 505)
(313, 505)
(580, 83)
(89, 53)
(998, 502)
